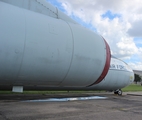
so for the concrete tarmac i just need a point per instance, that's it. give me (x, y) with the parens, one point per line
(125, 107)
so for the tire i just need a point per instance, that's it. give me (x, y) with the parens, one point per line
(119, 92)
(115, 92)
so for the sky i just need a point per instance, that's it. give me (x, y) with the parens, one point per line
(118, 21)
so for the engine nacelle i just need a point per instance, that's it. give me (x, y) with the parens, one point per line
(36, 49)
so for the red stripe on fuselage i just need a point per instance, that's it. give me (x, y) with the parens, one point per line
(107, 65)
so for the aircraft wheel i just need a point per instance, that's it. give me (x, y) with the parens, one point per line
(115, 92)
(119, 92)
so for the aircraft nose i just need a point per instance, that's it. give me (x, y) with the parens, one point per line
(132, 77)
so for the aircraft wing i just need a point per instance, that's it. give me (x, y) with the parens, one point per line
(42, 7)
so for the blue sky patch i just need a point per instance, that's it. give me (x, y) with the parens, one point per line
(110, 15)
(77, 19)
(56, 4)
(81, 22)
(138, 42)
(134, 58)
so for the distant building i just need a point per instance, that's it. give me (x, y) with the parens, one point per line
(138, 72)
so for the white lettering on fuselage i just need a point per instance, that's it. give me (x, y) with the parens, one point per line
(119, 67)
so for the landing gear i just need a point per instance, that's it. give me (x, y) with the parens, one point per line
(118, 92)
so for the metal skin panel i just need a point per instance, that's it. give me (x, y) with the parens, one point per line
(12, 38)
(107, 64)
(34, 49)
(114, 80)
(42, 7)
(119, 75)
(87, 64)
(48, 51)
(39, 50)
(117, 78)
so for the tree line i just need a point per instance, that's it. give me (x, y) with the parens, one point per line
(137, 78)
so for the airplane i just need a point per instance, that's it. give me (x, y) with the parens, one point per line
(119, 76)
(43, 47)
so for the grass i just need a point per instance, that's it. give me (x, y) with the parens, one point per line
(130, 88)
(48, 92)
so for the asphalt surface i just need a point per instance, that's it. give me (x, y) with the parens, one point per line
(125, 107)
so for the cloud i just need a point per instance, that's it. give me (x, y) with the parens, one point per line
(136, 66)
(140, 53)
(136, 29)
(117, 21)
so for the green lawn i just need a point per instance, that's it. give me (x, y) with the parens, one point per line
(132, 88)
(48, 92)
